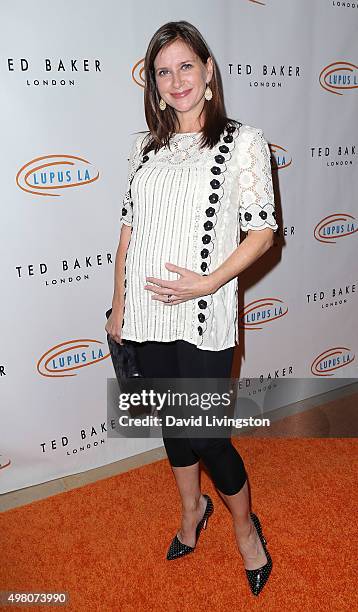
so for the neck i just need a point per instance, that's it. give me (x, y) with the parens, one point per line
(194, 126)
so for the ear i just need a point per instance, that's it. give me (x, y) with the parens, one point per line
(209, 69)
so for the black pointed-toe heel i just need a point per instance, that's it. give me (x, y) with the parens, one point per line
(258, 577)
(177, 548)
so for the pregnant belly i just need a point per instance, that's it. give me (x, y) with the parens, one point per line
(150, 259)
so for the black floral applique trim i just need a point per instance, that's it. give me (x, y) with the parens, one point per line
(222, 154)
(129, 194)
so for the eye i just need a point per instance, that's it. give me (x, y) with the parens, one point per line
(163, 72)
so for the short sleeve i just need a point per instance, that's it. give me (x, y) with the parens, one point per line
(134, 162)
(256, 199)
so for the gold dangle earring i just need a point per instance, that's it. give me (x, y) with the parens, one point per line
(208, 93)
(162, 104)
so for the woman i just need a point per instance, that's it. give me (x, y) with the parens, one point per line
(195, 178)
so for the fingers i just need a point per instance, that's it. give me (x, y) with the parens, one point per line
(160, 290)
(173, 299)
(113, 334)
(116, 338)
(157, 281)
(164, 297)
(177, 269)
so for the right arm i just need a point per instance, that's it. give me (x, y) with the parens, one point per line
(115, 321)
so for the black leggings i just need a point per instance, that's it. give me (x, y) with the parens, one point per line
(180, 359)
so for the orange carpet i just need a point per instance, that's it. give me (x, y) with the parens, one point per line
(106, 543)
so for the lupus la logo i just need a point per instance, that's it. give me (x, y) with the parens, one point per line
(339, 77)
(138, 73)
(259, 312)
(46, 175)
(331, 360)
(62, 359)
(338, 225)
(281, 157)
(4, 462)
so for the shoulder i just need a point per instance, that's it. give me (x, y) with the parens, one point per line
(252, 142)
(138, 142)
(247, 133)
(252, 148)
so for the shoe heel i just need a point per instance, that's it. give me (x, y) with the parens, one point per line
(258, 526)
(177, 548)
(258, 578)
(208, 512)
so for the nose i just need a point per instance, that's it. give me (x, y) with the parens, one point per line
(177, 80)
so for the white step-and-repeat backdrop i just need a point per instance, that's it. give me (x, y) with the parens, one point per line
(71, 102)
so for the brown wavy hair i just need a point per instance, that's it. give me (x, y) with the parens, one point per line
(163, 124)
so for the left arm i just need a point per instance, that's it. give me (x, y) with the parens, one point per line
(255, 244)
(192, 285)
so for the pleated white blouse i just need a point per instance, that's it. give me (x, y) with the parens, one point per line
(186, 206)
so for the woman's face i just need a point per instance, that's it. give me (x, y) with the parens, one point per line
(181, 78)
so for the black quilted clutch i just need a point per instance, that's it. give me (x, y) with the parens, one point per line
(124, 357)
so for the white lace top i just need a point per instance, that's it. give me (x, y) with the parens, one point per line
(186, 206)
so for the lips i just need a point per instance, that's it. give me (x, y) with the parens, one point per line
(182, 94)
